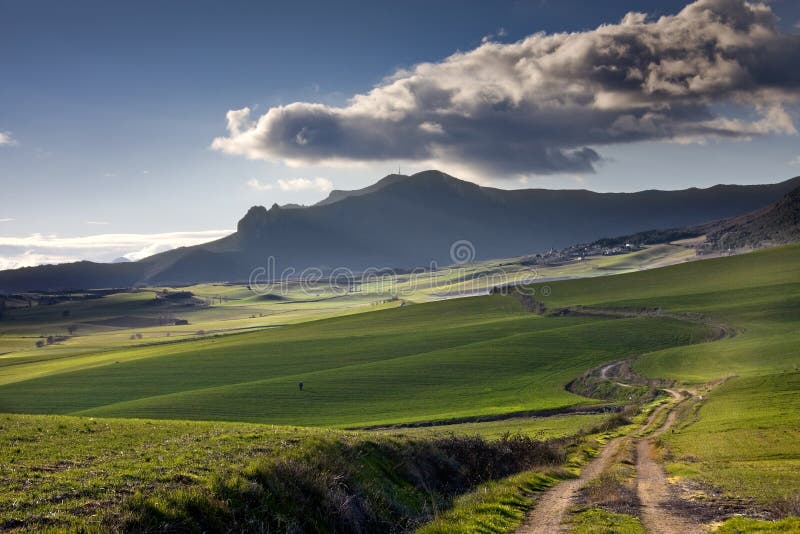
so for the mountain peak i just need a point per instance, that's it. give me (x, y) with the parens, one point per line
(254, 220)
(410, 221)
(434, 177)
(425, 178)
(339, 194)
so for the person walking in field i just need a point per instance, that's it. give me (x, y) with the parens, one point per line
(300, 385)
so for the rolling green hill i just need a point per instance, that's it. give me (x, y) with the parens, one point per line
(743, 437)
(480, 356)
(406, 364)
(125, 319)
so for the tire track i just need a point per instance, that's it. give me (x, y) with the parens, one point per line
(548, 514)
(657, 514)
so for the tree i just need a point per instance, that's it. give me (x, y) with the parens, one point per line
(40, 343)
(72, 329)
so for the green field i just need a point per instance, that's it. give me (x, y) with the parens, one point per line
(404, 362)
(373, 363)
(745, 440)
(555, 426)
(744, 436)
(76, 473)
(120, 320)
(490, 356)
(73, 474)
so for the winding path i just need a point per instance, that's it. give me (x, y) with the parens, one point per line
(607, 368)
(658, 513)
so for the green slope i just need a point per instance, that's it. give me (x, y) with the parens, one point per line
(456, 358)
(745, 436)
(475, 356)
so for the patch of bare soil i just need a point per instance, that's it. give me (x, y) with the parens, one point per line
(708, 505)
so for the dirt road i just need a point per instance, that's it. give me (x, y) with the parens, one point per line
(658, 514)
(547, 515)
(605, 370)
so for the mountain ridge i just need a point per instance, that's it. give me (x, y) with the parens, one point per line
(410, 221)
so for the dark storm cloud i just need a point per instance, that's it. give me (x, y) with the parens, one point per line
(538, 105)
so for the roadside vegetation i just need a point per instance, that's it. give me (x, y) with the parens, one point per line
(70, 472)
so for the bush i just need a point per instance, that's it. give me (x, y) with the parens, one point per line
(387, 485)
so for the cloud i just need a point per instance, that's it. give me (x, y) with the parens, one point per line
(147, 251)
(6, 139)
(795, 161)
(502, 32)
(102, 241)
(257, 185)
(303, 184)
(36, 249)
(293, 184)
(97, 223)
(549, 103)
(30, 258)
(7, 219)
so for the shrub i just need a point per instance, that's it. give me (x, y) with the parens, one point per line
(330, 485)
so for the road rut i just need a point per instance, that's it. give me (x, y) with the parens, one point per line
(548, 514)
(657, 514)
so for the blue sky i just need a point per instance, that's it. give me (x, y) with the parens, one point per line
(108, 111)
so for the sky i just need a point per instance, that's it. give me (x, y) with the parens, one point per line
(127, 128)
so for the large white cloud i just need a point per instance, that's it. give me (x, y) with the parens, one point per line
(547, 103)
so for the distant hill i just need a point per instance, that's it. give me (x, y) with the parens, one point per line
(409, 221)
(777, 224)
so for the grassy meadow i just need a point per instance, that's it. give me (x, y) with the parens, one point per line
(191, 429)
(125, 319)
(402, 365)
(743, 436)
(73, 474)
